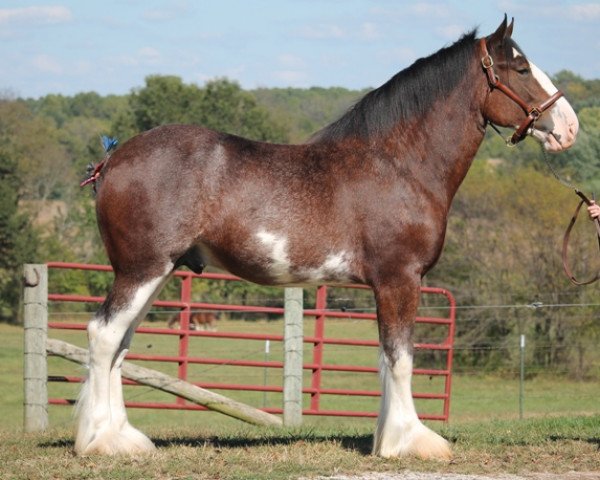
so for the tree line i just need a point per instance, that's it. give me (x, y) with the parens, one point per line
(502, 246)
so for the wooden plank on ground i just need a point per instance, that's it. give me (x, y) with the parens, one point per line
(176, 386)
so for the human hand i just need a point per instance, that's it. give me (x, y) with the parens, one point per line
(594, 210)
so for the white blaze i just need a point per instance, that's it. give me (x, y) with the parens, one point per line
(557, 128)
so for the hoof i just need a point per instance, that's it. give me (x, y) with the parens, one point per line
(419, 441)
(126, 441)
(430, 446)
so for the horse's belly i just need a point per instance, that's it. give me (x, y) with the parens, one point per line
(269, 259)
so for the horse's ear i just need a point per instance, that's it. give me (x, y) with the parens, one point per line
(509, 29)
(501, 32)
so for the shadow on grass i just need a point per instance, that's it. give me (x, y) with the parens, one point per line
(510, 434)
(562, 438)
(358, 443)
(60, 443)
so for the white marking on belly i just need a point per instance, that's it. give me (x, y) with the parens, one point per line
(336, 268)
(280, 262)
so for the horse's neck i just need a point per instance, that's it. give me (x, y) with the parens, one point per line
(446, 140)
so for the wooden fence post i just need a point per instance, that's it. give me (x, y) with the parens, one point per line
(35, 369)
(293, 348)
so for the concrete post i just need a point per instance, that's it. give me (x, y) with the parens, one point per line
(293, 348)
(35, 369)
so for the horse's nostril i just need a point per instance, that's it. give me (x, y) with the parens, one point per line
(573, 128)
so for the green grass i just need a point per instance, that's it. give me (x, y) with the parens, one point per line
(539, 445)
(473, 396)
(561, 430)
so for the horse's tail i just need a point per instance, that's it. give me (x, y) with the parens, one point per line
(93, 170)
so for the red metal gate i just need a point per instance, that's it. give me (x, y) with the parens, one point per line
(318, 391)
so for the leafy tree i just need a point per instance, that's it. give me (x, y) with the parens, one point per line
(582, 162)
(580, 93)
(304, 111)
(33, 141)
(226, 107)
(82, 105)
(220, 105)
(503, 248)
(17, 239)
(163, 100)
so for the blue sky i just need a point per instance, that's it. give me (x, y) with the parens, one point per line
(110, 46)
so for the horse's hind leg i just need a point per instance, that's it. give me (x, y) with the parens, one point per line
(399, 430)
(103, 426)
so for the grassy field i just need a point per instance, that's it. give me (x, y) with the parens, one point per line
(560, 432)
(540, 445)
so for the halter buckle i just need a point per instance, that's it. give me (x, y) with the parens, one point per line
(487, 61)
(535, 113)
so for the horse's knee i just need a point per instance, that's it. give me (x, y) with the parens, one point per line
(104, 340)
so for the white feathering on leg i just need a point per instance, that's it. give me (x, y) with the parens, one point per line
(399, 430)
(103, 427)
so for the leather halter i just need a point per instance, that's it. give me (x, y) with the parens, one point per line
(532, 112)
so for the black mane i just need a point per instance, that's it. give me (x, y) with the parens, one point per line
(409, 93)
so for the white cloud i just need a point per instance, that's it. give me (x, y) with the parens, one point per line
(289, 60)
(427, 9)
(294, 78)
(451, 32)
(169, 12)
(149, 55)
(584, 11)
(364, 31)
(41, 15)
(293, 70)
(398, 55)
(369, 31)
(84, 67)
(145, 56)
(46, 64)
(579, 12)
(322, 31)
(333, 60)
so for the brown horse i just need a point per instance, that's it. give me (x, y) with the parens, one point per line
(198, 321)
(365, 200)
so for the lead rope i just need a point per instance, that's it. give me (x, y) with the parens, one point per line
(567, 235)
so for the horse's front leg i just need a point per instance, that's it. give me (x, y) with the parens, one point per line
(399, 430)
(102, 425)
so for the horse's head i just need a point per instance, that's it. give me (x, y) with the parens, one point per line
(522, 96)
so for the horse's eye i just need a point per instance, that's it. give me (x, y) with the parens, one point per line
(523, 71)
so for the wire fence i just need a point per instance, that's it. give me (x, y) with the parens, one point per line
(553, 371)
